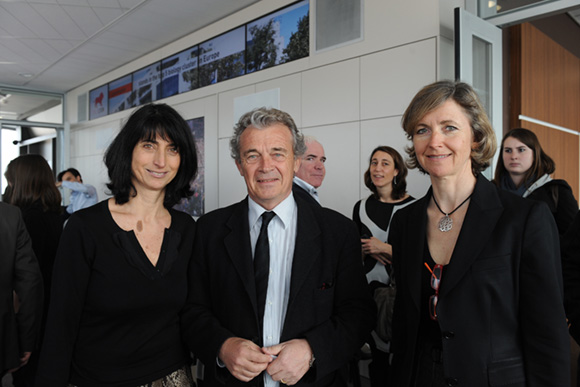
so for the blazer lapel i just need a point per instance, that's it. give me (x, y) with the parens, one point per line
(415, 239)
(239, 249)
(482, 215)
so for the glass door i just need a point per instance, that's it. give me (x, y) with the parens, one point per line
(478, 62)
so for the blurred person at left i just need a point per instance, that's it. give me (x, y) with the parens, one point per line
(120, 277)
(33, 190)
(20, 276)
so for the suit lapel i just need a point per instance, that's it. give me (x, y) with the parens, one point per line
(482, 215)
(241, 258)
(307, 249)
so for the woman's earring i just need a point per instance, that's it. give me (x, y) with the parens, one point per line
(395, 180)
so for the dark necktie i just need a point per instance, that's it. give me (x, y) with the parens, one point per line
(262, 264)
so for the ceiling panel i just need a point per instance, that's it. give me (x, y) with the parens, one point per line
(66, 43)
(85, 18)
(59, 20)
(33, 21)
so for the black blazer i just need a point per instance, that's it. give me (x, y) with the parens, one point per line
(329, 303)
(500, 305)
(19, 272)
(301, 192)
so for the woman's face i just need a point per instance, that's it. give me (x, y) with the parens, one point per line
(443, 140)
(382, 169)
(155, 163)
(517, 156)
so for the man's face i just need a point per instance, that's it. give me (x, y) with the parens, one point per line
(267, 163)
(312, 169)
(70, 177)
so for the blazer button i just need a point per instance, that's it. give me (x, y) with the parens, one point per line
(448, 335)
(451, 382)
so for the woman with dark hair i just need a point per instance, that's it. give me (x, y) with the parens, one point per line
(524, 169)
(386, 178)
(120, 278)
(478, 272)
(33, 190)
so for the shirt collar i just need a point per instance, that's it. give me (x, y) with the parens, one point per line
(307, 186)
(284, 210)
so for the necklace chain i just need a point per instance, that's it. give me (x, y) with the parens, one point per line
(446, 223)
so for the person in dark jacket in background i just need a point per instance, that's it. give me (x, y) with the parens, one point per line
(32, 189)
(20, 276)
(524, 169)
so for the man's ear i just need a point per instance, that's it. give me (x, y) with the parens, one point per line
(239, 166)
(297, 162)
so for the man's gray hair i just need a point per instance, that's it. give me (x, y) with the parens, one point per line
(262, 118)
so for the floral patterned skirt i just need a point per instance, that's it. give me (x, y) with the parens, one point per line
(179, 378)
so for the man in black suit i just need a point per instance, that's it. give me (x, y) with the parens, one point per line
(317, 310)
(311, 172)
(20, 274)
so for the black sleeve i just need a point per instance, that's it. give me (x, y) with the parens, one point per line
(28, 286)
(571, 274)
(566, 209)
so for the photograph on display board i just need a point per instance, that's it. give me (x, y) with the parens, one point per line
(280, 37)
(98, 102)
(179, 73)
(120, 94)
(146, 85)
(222, 58)
(194, 205)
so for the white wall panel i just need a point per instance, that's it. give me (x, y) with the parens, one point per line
(339, 190)
(388, 131)
(232, 186)
(290, 91)
(226, 109)
(330, 94)
(387, 24)
(390, 78)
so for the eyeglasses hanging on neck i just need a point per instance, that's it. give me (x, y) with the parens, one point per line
(435, 282)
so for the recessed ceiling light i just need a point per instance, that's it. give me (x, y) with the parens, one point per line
(26, 75)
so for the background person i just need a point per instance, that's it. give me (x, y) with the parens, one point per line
(525, 170)
(386, 178)
(82, 195)
(296, 314)
(120, 277)
(20, 275)
(34, 192)
(310, 174)
(478, 270)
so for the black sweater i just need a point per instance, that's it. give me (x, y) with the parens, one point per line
(114, 317)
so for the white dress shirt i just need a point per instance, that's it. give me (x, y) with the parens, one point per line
(282, 239)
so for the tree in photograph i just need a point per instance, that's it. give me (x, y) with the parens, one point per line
(230, 67)
(298, 46)
(263, 50)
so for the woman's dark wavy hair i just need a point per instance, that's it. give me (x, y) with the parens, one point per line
(145, 124)
(30, 180)
(399, 189)
(542, 164)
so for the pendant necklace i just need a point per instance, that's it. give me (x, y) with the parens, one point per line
(446, 223)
